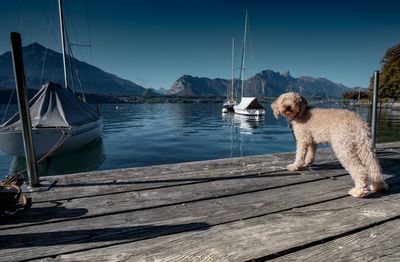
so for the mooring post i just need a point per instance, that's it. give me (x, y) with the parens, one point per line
(374, 106)
(16, 48)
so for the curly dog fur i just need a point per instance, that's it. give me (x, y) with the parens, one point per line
(345, 131)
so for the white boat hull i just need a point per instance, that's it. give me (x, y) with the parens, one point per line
(57, 139)
(228, 106)
(249, 112)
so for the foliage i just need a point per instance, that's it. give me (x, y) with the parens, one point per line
(389, 76)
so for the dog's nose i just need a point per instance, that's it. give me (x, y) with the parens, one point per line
(288, 108)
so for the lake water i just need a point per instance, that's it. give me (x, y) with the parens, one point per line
(152, 134)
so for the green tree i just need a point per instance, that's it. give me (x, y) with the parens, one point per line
(389, 76)
(354, 95)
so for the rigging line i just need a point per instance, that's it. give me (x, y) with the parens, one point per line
(52, 75)
(92, 82)
(79, 82)
(241, 73)
(44, 62)
(71, 28)
(251, 59)
(21, 17)
(83, 45)
(69, 58)
(73, 66)
(8, 105)
(53, 34)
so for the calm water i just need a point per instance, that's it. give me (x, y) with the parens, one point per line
(152, 134)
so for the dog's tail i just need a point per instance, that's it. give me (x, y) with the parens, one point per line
(367, 155)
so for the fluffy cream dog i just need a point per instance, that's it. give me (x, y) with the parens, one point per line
(345, 131)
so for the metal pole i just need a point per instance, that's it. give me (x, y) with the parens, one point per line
(233, 79)
(60, 13)
(244, 53)
(24, 109)
(374, 106)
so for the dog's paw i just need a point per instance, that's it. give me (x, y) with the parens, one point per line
(308, 162)
(358, 192)
(293, 167)
(379, 187)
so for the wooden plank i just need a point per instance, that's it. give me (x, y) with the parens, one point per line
(133, 179)
(176, 195)
(259, 237)
(206, 209)
(50, 239)
(103, 182)
(120, 180)
(379, 243)
(133, 200)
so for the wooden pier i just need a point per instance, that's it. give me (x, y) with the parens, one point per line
(238, 209)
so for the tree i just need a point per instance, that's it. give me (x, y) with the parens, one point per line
(354, 95)
(389, 76)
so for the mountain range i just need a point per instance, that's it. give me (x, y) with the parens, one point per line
(265, 84)
(42, 64)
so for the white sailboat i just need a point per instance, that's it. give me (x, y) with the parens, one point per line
(60, 121)
(230, 102)
(249, 106)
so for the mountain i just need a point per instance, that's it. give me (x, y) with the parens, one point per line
(42, 64)
(266, 83)
(160, 91)
(199, 86)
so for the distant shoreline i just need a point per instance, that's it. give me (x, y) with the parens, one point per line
(126, 99)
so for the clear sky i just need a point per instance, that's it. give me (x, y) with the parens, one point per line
(154, 42)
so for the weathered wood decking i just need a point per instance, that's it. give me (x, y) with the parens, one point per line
(239, 209)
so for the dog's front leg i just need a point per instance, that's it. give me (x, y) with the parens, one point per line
(310, 154)
(301, 151)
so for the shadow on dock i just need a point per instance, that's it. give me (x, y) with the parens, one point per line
(35, 239)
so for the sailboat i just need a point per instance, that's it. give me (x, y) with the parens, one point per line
(60, 121)
(230, 102)
(249, 106)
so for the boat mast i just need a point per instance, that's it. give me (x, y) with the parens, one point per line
(63, 42)
(233, 52)
(243, 54)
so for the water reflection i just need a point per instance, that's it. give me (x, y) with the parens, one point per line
(388, 125)
(151, 134)
(85, 159)
(245, 124)
(240, 126)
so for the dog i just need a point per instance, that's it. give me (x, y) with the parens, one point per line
(344, 130)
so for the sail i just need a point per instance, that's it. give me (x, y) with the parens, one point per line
(249, 103)
(55, 106)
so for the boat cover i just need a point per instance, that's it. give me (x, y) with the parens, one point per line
(55, 106)
(249, 103)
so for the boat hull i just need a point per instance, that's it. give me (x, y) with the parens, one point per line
(250, 112)
(227, 108)
(57, 139)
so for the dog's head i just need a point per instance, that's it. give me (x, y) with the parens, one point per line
(291, 105)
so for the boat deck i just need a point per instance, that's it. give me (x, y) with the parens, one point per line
(238, 209)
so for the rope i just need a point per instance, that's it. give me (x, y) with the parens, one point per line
(60, 142)
(8, 105)
(56, 146)
(12, 200)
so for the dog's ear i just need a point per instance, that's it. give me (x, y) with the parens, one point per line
(275, 108)
(303, 106)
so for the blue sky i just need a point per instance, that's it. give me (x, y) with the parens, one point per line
(153, 43)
